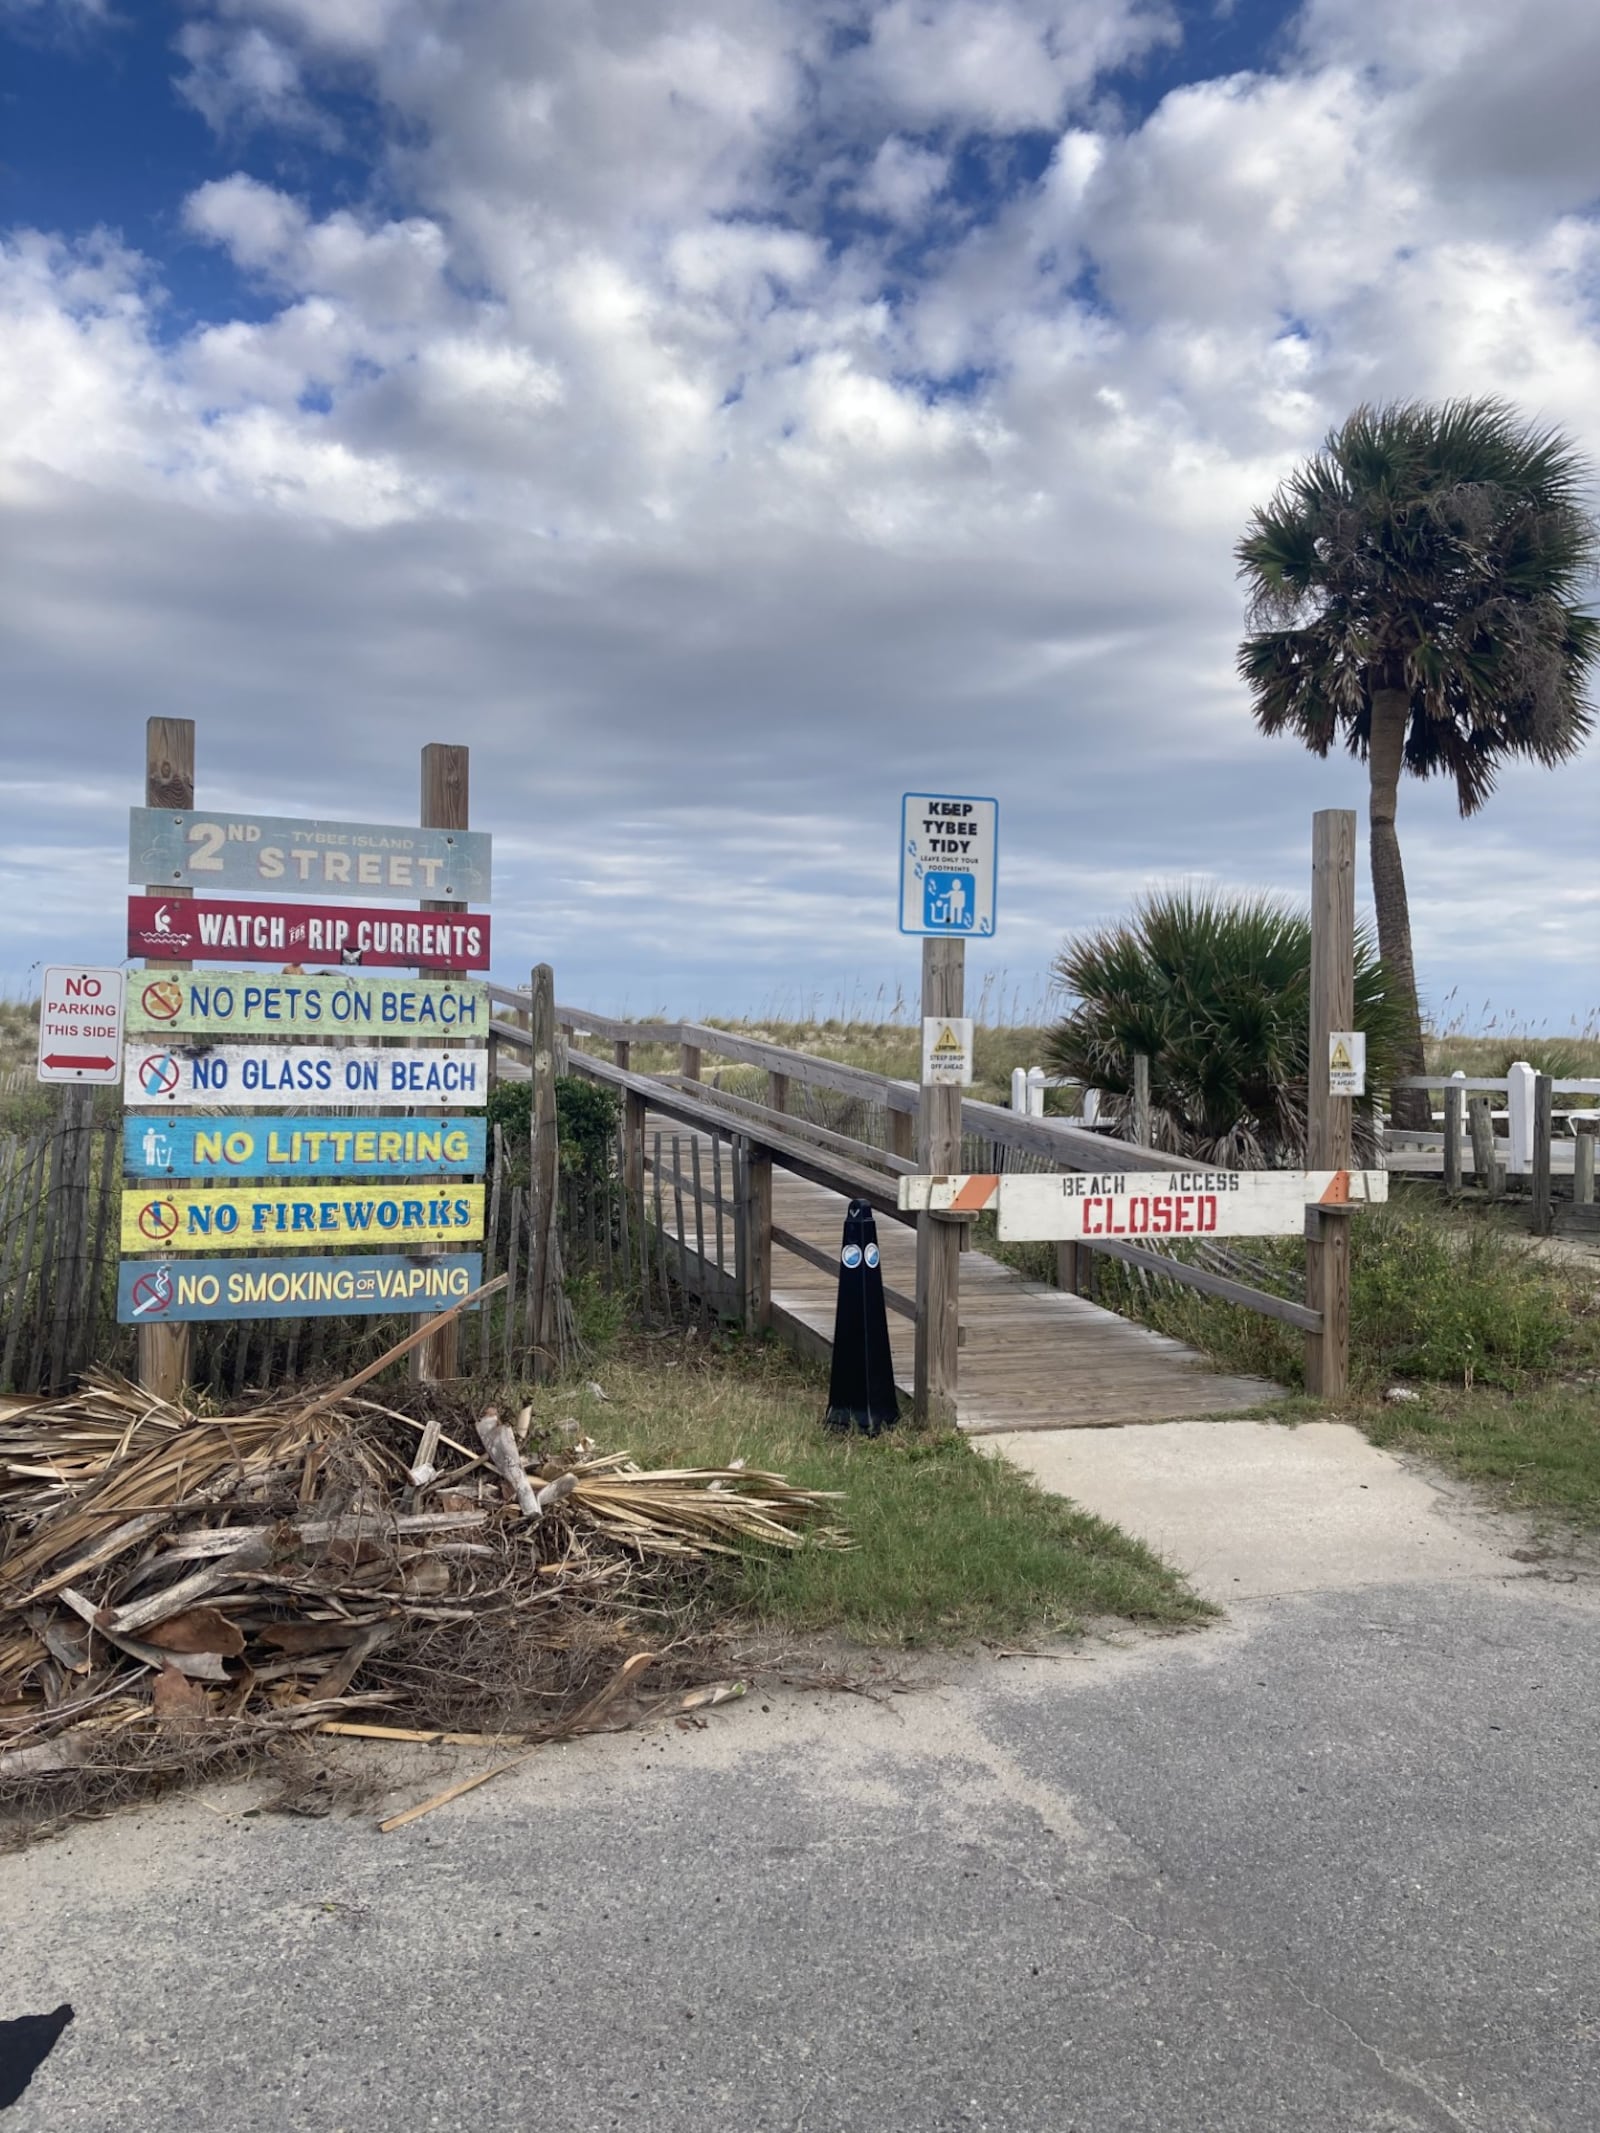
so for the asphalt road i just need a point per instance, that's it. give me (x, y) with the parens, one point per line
(1328, 1868)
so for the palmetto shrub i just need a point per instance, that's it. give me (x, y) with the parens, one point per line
(1215, 992)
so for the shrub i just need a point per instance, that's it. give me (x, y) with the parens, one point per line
(1215, 992)
(586, 1122)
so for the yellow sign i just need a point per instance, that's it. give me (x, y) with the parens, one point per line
(947, 1050)
(187, 1219)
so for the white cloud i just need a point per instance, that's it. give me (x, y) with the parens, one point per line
(596, 437)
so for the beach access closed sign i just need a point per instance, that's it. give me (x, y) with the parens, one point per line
(251, 1075)
(201, 929)
(1155, 1203)
(153, 1292)
(302, 1148)
(272, 854)
(185, 1219)
(238, 1003)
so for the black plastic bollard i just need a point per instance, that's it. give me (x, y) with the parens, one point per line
(861, 1391)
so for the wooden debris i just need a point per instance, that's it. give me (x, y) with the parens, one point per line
(257, 1574)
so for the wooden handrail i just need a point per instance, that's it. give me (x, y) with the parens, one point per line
(736, 1117)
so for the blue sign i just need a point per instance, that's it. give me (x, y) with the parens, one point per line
(276, 854)
(153, 1292)
(247, 1147)
(948, 857)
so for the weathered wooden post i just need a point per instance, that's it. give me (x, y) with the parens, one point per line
(544, 1176)
(1455, 1104)
(445, 805)
(1485, 1167)
(1141, 1099)
(168, 783)
(1584, 1134)
(939, 1237)
(689, 1061)
(778, 1091)
(67, 1288)
(903, 1133)
(1542, 1216)
(752, 1232)
(1328, 1134)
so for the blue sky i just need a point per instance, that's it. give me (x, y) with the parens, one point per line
(725, 413)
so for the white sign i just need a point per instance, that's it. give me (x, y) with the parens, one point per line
(269, 1076)
(1347, 1062)
(947, 864)
(80, 1025)
(1149, 1203)
(947, 1051)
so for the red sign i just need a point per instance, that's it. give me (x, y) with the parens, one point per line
(205, 929)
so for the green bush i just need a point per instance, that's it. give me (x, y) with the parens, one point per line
(586, 1122)
(1431, 1299)
(1214, 991)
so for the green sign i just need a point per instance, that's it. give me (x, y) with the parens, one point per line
(337, 1004)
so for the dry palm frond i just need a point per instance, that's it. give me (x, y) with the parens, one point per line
(181, 1589)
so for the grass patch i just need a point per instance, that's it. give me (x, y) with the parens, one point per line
(950, 1544)
(1539, 1449)
(1499, 1341)
(1434, 1296)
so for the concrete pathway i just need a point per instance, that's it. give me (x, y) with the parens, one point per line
(1326, 1868)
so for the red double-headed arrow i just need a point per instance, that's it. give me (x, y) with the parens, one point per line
(85, 1060)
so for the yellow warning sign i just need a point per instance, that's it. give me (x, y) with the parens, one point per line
(1347, 1062)
(947, 1050)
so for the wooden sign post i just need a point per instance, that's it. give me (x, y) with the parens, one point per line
(939, 1236)
(168, 783)
(445, 805)
(1328, 1136)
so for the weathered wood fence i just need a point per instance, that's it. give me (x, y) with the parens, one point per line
(1543, 1144)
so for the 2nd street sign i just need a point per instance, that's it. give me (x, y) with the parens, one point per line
(186, 1219)
(205, 930)
(239, 1003)
(948, 850)
(253, 1075)
(80, 1025)
(1150, 1203)
(302, 1148)
(152, 1292)
(272, 853)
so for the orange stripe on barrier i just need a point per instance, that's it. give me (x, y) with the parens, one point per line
(1338, 1190)
(978, 1192)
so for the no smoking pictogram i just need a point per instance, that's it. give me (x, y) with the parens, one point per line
(152, 1293)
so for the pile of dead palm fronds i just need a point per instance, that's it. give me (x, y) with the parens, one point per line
(177, 1587)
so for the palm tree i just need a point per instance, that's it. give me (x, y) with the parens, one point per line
(1413, 592)
(1215, 992)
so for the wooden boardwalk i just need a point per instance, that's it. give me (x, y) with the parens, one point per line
(1031, 1357)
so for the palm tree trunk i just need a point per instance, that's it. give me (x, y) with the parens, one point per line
(1391, 709)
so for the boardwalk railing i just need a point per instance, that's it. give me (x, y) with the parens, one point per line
(767, 1106)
